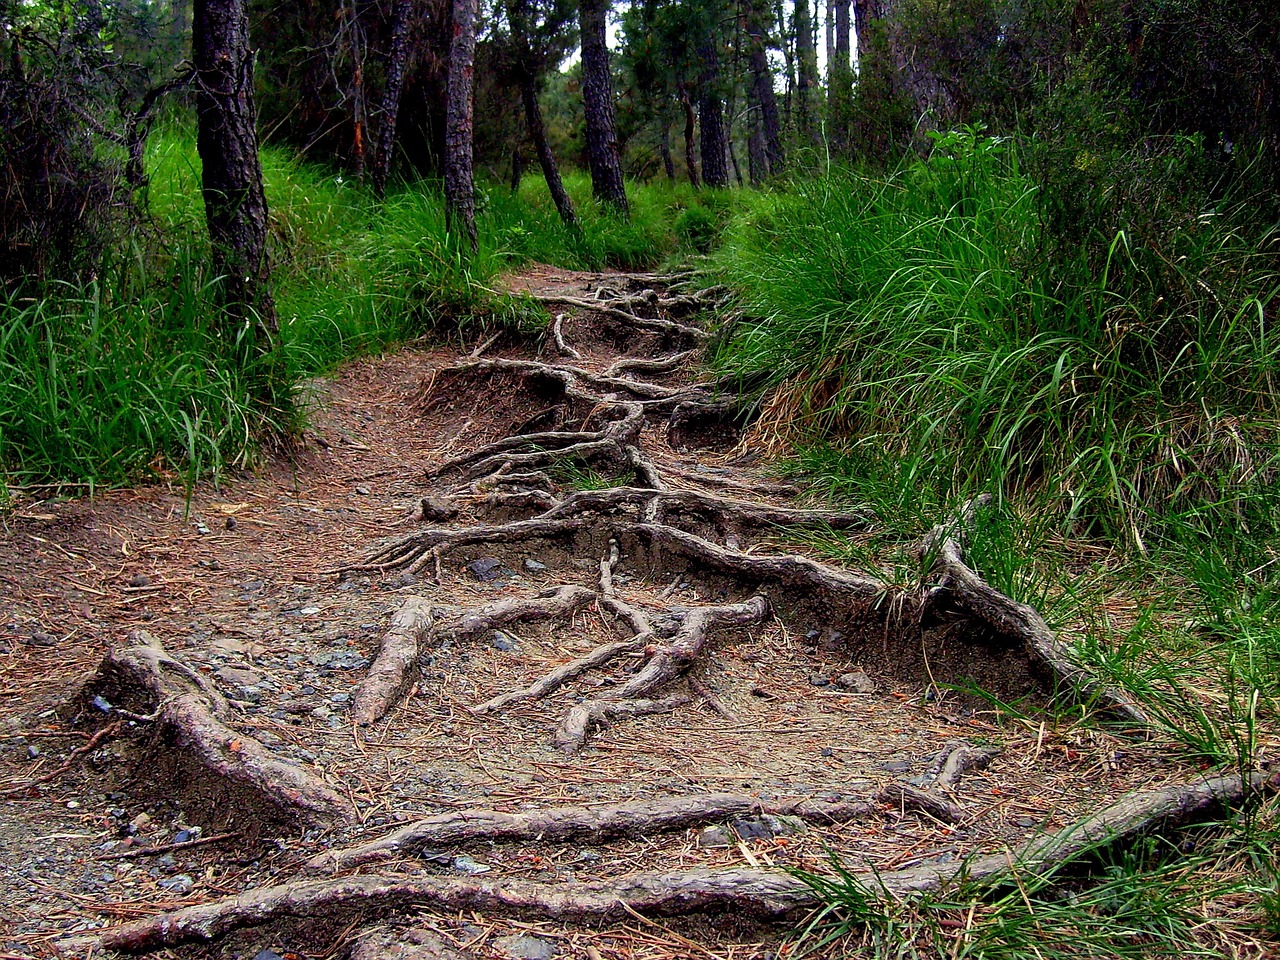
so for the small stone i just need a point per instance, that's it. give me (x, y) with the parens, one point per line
(182, 883)
(486, 569)
(817, 680)
(472, 868)
(309, 611)
(502, 642)
(856, 681)
(230, 523)
(827, 752)
(342, 697)
(267, 955)
(73, 804)
(202, 528)
(237, 676)
(766, 826)
(139, 580)
(436, 509)
(533, 566)
(363, 490)
(41, 639)
(896, 766)
(101, 703)
(524, 947)
(714, 837)
(182, 836)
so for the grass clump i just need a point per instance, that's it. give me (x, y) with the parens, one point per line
(127, 376)
(926, 314)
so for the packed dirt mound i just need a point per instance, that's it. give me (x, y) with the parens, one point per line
(521, 651)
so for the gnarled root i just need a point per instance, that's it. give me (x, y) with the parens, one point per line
(185, 715)
(757, 893)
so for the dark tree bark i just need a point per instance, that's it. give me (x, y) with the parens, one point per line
(527, 71)
(840, 82)
(763, 95)
(231, 179)
(865, 13)
(715, 169)
(668, 164)
(807, 80)
(603, 155)
(757, 165)
(546, 159)
(397, 64)
(690, 156)
(459, 185)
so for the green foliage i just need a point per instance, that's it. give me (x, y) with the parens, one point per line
(922, 315)
(126, 377)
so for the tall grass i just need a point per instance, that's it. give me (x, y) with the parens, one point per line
(926, 314)
(128, 376)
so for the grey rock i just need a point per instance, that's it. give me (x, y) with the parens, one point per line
(237, 676)
(896, 766)
(230, 523)
(267, 955)
(139, 580)
(363, 490)
(41, 639)
(486, 569)
(714, 837)
(182, 883)
(436, 509)
(524, 947)
(817, 680)
(856, 681)
(101, 703)
(472, 868)
(503, 642)
(766, 826)
(533, 566)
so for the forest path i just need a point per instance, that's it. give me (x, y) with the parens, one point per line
(522, 648)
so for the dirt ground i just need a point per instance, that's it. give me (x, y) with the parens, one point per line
(241, 583)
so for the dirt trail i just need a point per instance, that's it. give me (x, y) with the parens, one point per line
(514, 637)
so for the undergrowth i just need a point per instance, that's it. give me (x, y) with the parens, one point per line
(126, 376)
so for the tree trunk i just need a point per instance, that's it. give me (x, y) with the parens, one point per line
(763, 95)
(459, 185)
(788, 43)
(807, 82)
(757, 164)
(715, 170)
(690, 158)
(840, 81)
(668, 164)
(547, 160)
(235, 205)
(603, 155)
(397, 61)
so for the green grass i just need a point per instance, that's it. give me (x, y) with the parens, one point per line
(125, 378)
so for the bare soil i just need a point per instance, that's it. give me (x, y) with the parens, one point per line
(241, 582)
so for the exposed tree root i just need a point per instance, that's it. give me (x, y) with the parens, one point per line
(397, 658)
(184, 713)
(588, 824)
(953, 585)
(620, 312)
(757, 893)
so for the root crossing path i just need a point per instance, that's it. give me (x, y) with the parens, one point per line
(587, 691)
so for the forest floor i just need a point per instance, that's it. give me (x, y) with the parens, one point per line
(741, 714)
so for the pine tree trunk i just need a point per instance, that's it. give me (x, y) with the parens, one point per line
(459, 184)
(397, 61)
(231, 176)
(715, 170)
(690, 157)
(766, 100)
(668, 163)
(603, 154)
(547, 160)
(840, 83)
(807, 81)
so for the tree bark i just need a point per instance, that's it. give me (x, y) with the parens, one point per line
(397, 61)
(690, 154)
(235, 205)
(668, 164)
(547, 160)
(603, 155)
(807, 81)
(715, 169)
(840, 81)
(459, 184)
(766, 100)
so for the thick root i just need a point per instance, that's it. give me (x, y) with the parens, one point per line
(184, 714)
(392, 671)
